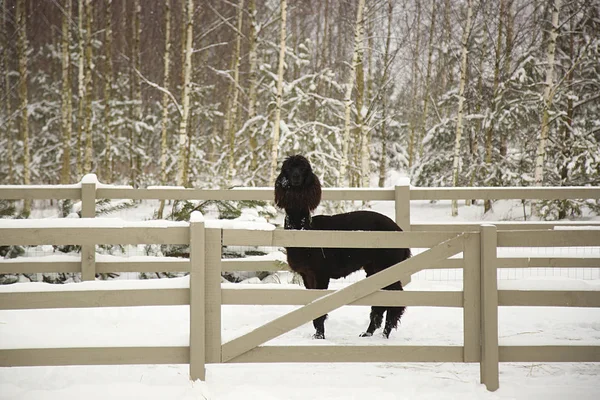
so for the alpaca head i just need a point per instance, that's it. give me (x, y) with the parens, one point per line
(297, 188)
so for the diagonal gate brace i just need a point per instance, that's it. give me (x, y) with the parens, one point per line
(347, 295)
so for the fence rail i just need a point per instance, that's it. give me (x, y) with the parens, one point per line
(89, 189)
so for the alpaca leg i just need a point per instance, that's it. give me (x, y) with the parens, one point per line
(322, 282)
(393, 313)
(313, 282)
(376, 318)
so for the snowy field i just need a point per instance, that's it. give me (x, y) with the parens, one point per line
(169, 326)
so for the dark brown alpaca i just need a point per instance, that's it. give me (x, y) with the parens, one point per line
(298, 191)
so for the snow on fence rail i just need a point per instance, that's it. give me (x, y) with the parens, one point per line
(479, 299)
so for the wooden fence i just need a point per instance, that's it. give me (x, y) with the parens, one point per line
(479, 299)
(89, 190)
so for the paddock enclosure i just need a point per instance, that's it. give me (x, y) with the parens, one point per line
(472, 248)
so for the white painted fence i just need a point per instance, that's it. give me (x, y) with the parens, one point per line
(479, 299)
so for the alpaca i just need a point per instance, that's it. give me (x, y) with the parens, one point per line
(298, 192)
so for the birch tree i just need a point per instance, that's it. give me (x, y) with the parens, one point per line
(276, 124)
(365, 142)
(230, 120)
(165, 103)
(80, 87)
(423, 130)
(384, 101)
(22, 45)
(361, 138)
(66, 94)
(490, 130)
(358, 39)
(548, 94)
(182, 177)
(88, 88)
(136, 96)
(461, 100)
(412, 142)
(108, 94)
(7, 96)
(253, 79)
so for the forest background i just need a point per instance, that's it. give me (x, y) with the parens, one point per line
(216, 93)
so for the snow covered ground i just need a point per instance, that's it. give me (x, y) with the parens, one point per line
(169, 326)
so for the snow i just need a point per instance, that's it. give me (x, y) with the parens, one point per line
(577, 228)
(90, 178)
(196, 216)
(87, 223)
(167, 187)
(169, 326)
(237, 224)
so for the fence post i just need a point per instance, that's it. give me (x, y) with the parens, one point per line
(489, 308)
(472, 297)
(88, 210)
(213, 295)
(197, 297)
(402, 203)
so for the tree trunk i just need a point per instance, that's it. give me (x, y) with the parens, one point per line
(384, 108)
(22, 45)
(358, 38)
(275, 143)
(165, 103)
(326, 58)
(80, 88)
(489, 135)
(423, 130)
(108, 94)
(87, 164)
(365, 143)
(360, 128)
(7, 97)
(548, 93)
(461, 100)
(253, 77)
(412, 142)
(66, 108)
(567, 121)
(182, 178)
(233, 111)
(509, 22)
(136, 97)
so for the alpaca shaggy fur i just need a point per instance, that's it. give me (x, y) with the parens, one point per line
(298, 191)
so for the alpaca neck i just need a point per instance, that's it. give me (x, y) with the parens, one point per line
(297, 219)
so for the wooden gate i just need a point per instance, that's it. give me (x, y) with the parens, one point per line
(441, 245)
